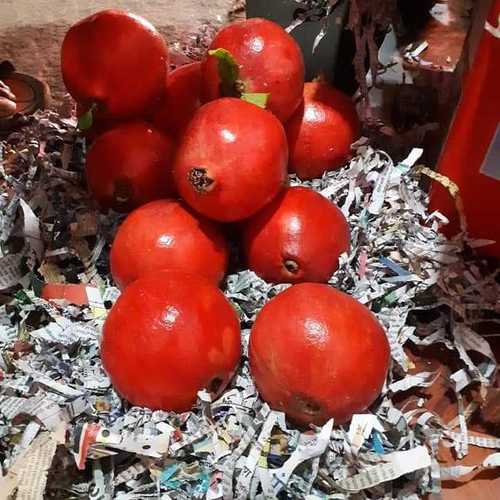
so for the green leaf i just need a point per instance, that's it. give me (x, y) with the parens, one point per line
(229, 73)
(259, 99)
(229, 70)
(86, 120)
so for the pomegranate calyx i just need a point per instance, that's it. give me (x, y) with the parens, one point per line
(215, 385)
(291, 266)
(123, 192)
(307, 405)
(200, 180)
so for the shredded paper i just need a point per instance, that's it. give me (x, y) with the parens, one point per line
(65, 433)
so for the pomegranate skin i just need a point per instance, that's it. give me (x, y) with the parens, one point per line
(164, 234)
(317, 353)
(321, 131)
(269, 59)
(232, 160)
(181, 100)
(297, 237)
(169, 335)
(130, 165)
(116, 60)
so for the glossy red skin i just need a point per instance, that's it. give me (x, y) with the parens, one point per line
(299, 227)
(135, 154)
(242, 148)
(321, 131)
(181, 100)
(270, 61)
(169, 335)
(317, 353)
(117, 60)
(164, 234)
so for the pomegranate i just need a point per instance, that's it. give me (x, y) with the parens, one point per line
(317, 353)
(259, 56)
(232, 159)
(130, 165)
(299, 236)
(115, 62)
(321, 131)
(181, 99)
(169, 335)
(164, 234)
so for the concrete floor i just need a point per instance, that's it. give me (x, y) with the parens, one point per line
(180, 13)
(31, 31)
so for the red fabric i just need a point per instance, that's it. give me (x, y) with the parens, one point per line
(472, 131)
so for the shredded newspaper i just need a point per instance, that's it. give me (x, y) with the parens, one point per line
(65, 433)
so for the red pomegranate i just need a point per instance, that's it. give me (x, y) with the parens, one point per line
(164, 234)
(130, 165)
(265, 59)
(317, 353)
(115, 61)
(321, 131)
(169, 335)
(299, 236)
(232, 159)
(181, 100)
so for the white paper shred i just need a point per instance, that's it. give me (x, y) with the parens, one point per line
(28, 475)
(393, 465)
(51, 377)
(360, 429)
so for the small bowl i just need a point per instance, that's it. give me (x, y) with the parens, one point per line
(31, 95)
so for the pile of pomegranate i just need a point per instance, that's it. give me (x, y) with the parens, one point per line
(199, 158)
